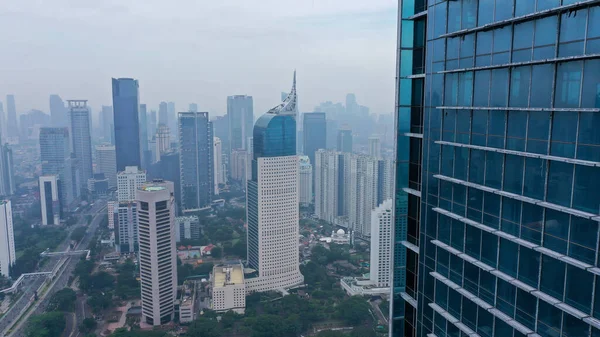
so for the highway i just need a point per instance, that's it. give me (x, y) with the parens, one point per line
(59, 282)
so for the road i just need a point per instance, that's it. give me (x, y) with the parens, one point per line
(62, 278)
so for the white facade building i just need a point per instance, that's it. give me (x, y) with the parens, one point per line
(329, 166)
(306, 181)
(187, 228)
(218, 162)
(375, 147)
(381, 244)
(157, 254)
(7, 238)
(50, 199)
(128, 182)
(239, 165)
(127, 227)
(106, 162)
(187, 307)
(228, 289)
(111, 209)
(363, 193)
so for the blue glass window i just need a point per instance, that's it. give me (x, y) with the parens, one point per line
(523, 7)
(497, 125)
(467, 49)
(586, 193)
(532, 222)
(589, 138)
(560, 179)
(513, 174)
(535, 178)
(593, 32)
(541, 86)
(511, 215)
(471, 281)
(473, 242)
(447, 160)
(453, 16)
(469, 13)
(547, 4)
(537, 132)
(579, 288)
(553, 277)
(476, 167)
(489, 248)
(465, 88)
(590, 96)
(451, 89)
(523, 40)
(549, 319)
(457, 237)
(568, 84)
(516, 130)
(526, 307)
(564, 133)
(483, 51)
(475, 204)
(491, 208)
(487, 286)
(485, 323)
(469, 314)
(583, 238)
(574, 327)
(502, 41)
(461, 158)
(508, 257)
(463, 126)
(493, 172)
(506, 298)
(482, 88)
(572, 33)
(556, 231)
(486, 12)
(499, 88)
(520, 78)
(439, 25)
(545, 38)
(529, 266)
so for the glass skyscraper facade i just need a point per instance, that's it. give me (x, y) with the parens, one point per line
(498, 167)
(314, 133)
(126, 104)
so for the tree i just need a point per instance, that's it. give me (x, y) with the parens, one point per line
(123, 332)
(354, 310)
(78, 233)
(99, 301)
(330, 333)
(204, 327)
(63, 300)
(363, 331)
(46, 325)
(216, 252)
(88, 325)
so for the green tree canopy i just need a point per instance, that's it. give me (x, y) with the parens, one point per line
(204, 327)
(62, 300)
(50, 324)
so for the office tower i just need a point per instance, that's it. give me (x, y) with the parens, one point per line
(112, 213)
(106, 162)
(163, 140)
(344, 140)
(238, 166)
(7, 239)
(55, 155)
(163, 114)
(82, 140)
(329, 185)
(12, 129)
(351, 104)
(315, 133)
(144, 135)
(127, 233)
(385, 183)
(49, 199)
(272, 204)
(168, 169)
(30, 124)
(7, 171)
(331, 134)
(172, 119)
(221, 129)
(196, 160)
(218, 162)
(305, 181)
(187, 228)
(289, 103)
(510, 170)
(240, 112)
(128, 181)
(2, 121)
(375, 146)
(107, 122)
(152, 124)
(193, 107)
(126, 105)
(363, 192)
(381, 244)
(58, 112)
(158, 258)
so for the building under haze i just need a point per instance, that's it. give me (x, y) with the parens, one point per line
(50, 199)
(12, 128)
(240, 112)
(7, 181)
(329, 185)
(375, 146)
(55, 155)
(497, 200)
(218, 172)
(144, 152)
(107, 121)
(58, 112)
(163, 140)
(344, 140)
(79, 116)
(7, 239)
(272, 204)
(158, 257)
(126, 103)
(196, 160)
(305, 181)
(106, 162)
(315, 133)
(168, 169)
(128, 181)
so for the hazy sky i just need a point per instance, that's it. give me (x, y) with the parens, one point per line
(199, 51)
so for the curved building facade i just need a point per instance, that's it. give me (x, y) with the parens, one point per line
(272, 205)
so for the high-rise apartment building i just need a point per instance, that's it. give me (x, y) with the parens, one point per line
(344, 140)
(238, 166)
(126, 104)
(151, 125)
(7, 171)
(2, 120)
(144, 136)
(128, 181)
(381, 244)
(106, 162)
(12, 128)
(172, 119)
(362, 191)
(187, 228)
(163, 114)
(55, 155)
(127, 233)
(497, 200)
(329, 185)
(315, 133)
(58, 112)
(158, 257)
(163, 140)
(50, 199)
(221, 130)
(7, 239)
(240, 111)
(79, 115)
(108, 124)
(196, 160)
(218, 162)
(305, 179)
(272, 203)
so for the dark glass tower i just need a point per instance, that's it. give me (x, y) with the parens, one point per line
(314, 131)
(497, 232)
(240, 112)
(126, 103)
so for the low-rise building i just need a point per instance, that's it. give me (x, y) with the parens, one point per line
(187, 308)
(228, 288)
(187, 228)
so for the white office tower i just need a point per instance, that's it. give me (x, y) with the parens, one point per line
(329, 176)
(7, 238)
(128, 182)
(218, 162)
(363, 192)
(228, 289)
(106, 162)
(50, 199)
(157, 255)
(126, 235)
(111, 208)
(187, 228)
(272, 203)
(381, 244)
(82, 140)
(375, 147)
(306, 174)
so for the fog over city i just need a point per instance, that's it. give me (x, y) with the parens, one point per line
(199, 51)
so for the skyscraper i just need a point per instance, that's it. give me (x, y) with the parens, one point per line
(193, 107)
(163, 140)
(331, 134)
(172, 119)
(497, 199)
(381, 244)
(196, 158)
(152, 124)
(12, 129)
(127, 232)
(126, 104)
(163, 114)
(158, 258)
(108, 122)
(106, 162)
(82, 140)
(315, 133)
(240, 112)
(329, 185)
(7, 171)
(375, 146)
(128, 181)
(218, 162)
(2, 122)
(168, 169)
(144, 136)
(58, 112)
(50, 199)
(238, 166)
(344, 140)
(55, 155)
(305, 181)
(7, 239)
(272, 203)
